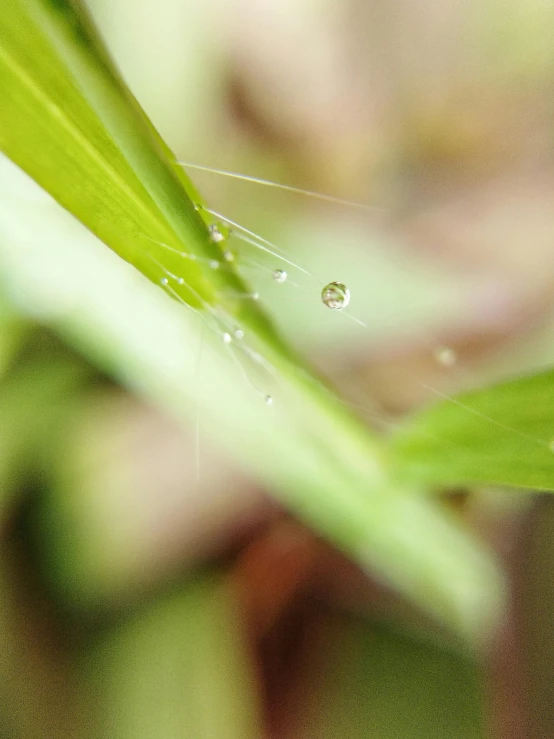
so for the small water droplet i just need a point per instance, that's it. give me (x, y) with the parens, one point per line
(164, 281)
(335, 296)
(228, 256)
(255, 296)
(197, 206)
(445, 356)
(215, 234)
(181, 280)
(280, 276)
(269, 400)
(239, 334)
(227, 338)
(214, 264)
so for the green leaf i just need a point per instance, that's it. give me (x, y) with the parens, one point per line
(368, 680)
(324, 469)
(175, 668)
(502, 435)
(67, 120)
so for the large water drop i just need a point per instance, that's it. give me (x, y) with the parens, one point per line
(335, 296)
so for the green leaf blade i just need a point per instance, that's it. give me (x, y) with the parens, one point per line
(110, 171)
(80, 134)
(316, 461)
(501, 435)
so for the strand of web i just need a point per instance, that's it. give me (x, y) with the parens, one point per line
(224, 334)
(254, 239)
(221, 328)
(443, 355)
(244, 234)
(377, 417)
(257, 358)
(287, 188)
(259, 242)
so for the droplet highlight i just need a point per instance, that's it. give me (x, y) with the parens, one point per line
(335, 296)
(269, 400)
(239, 334)
(215, 234)
(280, 276)
(445, 356)
(227, 338)
(164, 281)
(228, 256)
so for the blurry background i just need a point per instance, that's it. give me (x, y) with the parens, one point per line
(140, 600)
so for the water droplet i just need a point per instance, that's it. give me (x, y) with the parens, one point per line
(164, 281)
(269, 400)
(228, 256)
(181, 280)
(214, 264)
(280, 276)
(255, 296)
(227, 338)
(335, 296)
(445, 356)
(239, 334)
(215, 234)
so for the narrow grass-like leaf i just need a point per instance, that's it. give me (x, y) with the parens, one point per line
(324, 469)
(503, 434)
(67, 120)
